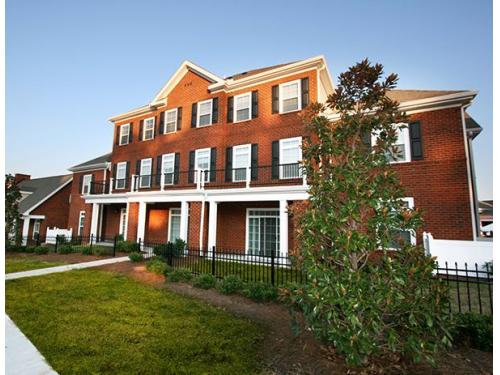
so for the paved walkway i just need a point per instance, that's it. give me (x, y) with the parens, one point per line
(21, 356)
(66, 267)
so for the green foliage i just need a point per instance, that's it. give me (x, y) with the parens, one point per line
(230, 284)
(365, 309)
(474, 329)
(156, 265)
(179, 246)
(65, 249)
(179, 275)
(127, 246)
(16, 248)
(41, 250)
(204, 281)
(136, 257)
(86, 250)
(12, 216)
(28, 249)
(18, 264)
(260, 291)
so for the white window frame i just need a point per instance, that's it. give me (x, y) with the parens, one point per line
(411, 205)
(198, 113)
(145, 128)
(86, 184)
(196, 156)
(281, 142)
(81, 226)
(36, 228)
(122, 127)
(118, 179)
(164, 158)
(166, 122)
(247, 228)
(248, 148)
(404, 133)
(142, 174)
(235, 106)
(299, 95)
(123, 222)
(170, 214)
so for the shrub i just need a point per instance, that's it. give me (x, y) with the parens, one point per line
(179, 274)
(167, 270)
(100, 250)
(474, 329)
(65, 249)
(204, 281)
(260, 291)
(163, 249)
(179, 247)
(136, 257)
(29, 249)
(156, 265)
(86, 250)
(16, 248)
(127, 247)
(230, 284)
(41, 250)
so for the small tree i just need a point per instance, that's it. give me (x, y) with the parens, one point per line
(12, 216)
(364, 306)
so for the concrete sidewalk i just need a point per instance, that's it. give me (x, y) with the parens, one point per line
(66, 267)
(21, 356)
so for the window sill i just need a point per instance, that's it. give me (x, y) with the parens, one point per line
(295, 110)
(145, 140)
(124, 144)
(203, 126)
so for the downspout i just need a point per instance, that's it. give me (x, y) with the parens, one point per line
(470, 176)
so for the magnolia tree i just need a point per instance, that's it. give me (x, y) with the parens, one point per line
(366, 306)
(12, 217)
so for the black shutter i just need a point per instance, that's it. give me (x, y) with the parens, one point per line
(161, 125)
(215, 110)
(158, 169)
(131, 133)
(276, 99)
(275, 152)
(179, 118)
(230, 108)
(127, 172)
(213, 163)
(117, 135)
(81, 185)
(366, 138)
(417, 151)
(92, 180)
(194, 110)
(254, 162)
(176, 167)
(114, 171)
(138, 167)
(191, 167)
(255, 104)
(141, 126)
(305, 92)
(229, 164)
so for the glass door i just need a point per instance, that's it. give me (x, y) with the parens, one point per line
(263, 232)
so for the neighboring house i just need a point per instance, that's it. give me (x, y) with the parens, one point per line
(485, 209)
(215, 161)
(44, 203)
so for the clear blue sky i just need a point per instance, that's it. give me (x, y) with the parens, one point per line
(72, 64)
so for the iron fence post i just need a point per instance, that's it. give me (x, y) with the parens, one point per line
(114, 246)
(37, 238)
(170, 250)
(91, 240)
(272, 267)
(213, 260)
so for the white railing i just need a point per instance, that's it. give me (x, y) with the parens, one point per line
(54, 232)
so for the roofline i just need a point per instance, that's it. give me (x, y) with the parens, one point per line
(90, 167)
(48, 196)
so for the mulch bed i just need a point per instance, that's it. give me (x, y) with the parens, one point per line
(66, 258)
(286, 354)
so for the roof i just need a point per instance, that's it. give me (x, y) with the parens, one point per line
(41, 189)
(98, 162)
(257, 71)
(408, 95)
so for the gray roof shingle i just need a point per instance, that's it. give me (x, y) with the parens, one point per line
(40, 188)
(92, 162)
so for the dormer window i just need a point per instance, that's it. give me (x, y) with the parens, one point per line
(290, 96)
(124, 134)
(148, 129)
(204, 113)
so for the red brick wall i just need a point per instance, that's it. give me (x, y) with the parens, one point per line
(111, 220)
(194, 225)
(157, 216)
(133, 216)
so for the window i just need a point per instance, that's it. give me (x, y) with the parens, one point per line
(204, 113)
(402, 151)
(263, 231)
(290, 156)
(121, 172)
(36, 229)
(202, 162)
(242, 107)
(174, 224)
(290, 96)
(241, 161)
(87, 180)
(81, 222)
(124, 134)
(168, 165)
(148, 130)
(405, 236)
(145, 173)
(171, 121)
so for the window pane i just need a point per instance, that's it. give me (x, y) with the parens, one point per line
(290, 91)
(171, 122)
(204, 120)
(290, 104)
(206, 108)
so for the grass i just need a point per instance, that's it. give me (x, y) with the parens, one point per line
(13, 264)
(91, 321)
(474, 294)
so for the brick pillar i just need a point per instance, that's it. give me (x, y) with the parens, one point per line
(133, 215)
(194, 225)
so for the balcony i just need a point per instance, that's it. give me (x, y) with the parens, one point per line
(262, 176)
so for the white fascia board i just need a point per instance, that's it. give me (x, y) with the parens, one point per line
(90, 167)
(135, 112)
(27, 212)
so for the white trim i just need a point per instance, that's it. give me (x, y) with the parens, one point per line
(196, 152)
(36, 217)
(117, 178)
(170, 214)
(122, 126)
(281, 141)
(80, 228)
(184, 220)
(411, 205)
(162, 169)
(198, 112)
(142, 174)
(247, 225)
(248, 148)
(141, 221)
(91, 167)
(126, 223)
(212, 225)
(148, 120)
(235, 106)
(403, 132)
(48, 196)
(94, 220)
(166, 122)
(86, 184)
(283, 212)
(299, 95)
(37, 231)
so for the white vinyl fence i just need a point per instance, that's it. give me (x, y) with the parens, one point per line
(459, 252)
(54, 232)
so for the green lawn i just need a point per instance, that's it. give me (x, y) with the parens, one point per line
(91, 321)
(13, 264)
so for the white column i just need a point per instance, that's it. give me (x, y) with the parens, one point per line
(26, 227)
(141, 221)
(283, 227)
(184, 220)
(94, 221)
(125, 231)
(212, 225)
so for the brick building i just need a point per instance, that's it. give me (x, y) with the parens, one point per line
(215, 161)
